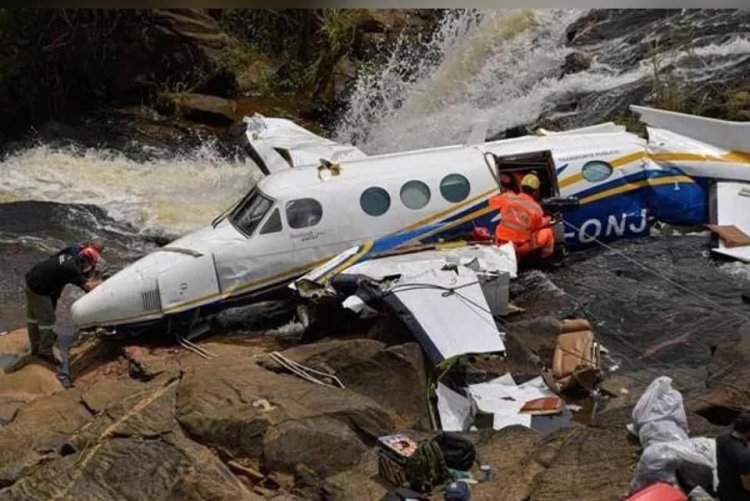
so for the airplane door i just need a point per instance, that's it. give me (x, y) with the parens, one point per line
(318, 228)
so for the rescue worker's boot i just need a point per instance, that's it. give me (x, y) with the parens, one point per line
(46, 343)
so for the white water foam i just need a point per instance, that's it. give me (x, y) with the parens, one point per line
(175, 195)
(500, 66)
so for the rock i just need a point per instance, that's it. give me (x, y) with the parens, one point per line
(39, 427)
(323, 444)
(537, 334)
(728, 381)
(13, 347)
(133, 420)
(146, 364)
(201, 108)
(510, 454)
(393, 376)
(218, 403)
(32, 381)
(575, 62)
(166, 470)
(594, 462)
(359, 482)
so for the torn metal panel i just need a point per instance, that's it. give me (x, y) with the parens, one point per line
(504, 399)
(478, 258)
(446, 311)
(454, 409)
(732, 204)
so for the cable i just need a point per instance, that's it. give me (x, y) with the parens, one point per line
(661, 275)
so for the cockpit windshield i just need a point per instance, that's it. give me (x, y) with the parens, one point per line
(249, 213)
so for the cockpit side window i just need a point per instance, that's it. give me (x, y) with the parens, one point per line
(303, 213)
(250, 212)
(273, 224)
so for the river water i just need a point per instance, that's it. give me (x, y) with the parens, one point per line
(500, 66)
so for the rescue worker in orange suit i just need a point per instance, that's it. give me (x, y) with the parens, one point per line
(522, 220)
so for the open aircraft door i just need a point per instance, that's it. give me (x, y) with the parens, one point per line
(542, 164)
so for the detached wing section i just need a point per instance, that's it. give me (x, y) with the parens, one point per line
(445, 295)
(277, 144)
(715, 153)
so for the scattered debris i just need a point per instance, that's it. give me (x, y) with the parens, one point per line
(660, 423)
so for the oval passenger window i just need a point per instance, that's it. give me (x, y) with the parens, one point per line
(303, 213)
(375, 201)
(454, 187)
(596, 171)
(415, 194)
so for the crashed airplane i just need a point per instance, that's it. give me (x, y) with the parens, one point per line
(320, 198)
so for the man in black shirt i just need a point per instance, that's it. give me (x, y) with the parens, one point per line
(733, 461)
(44, 284)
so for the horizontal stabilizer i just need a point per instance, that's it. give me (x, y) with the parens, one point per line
(605, 128)
(732, 136)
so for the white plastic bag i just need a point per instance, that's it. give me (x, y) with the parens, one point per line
(659, 415)
(660, 460)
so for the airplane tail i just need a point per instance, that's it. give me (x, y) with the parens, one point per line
(276, 144)
(724, 134)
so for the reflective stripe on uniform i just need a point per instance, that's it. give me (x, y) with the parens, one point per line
(46, 327)
(31, 321)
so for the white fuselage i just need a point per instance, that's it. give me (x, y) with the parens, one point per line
(219, 264)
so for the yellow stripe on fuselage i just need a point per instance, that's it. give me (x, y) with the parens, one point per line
(635, 186)
(731, 157)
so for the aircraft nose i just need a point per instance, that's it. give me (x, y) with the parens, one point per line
(89, 308)
(126, 297)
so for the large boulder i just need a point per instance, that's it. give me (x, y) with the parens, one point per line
(394, 376)
(210, 110)
(133, 448)
(323, 444)
(39, 428)
(32, 381)
(230, 403)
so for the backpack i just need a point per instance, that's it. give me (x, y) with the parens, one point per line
(426, 468)
(459, 452)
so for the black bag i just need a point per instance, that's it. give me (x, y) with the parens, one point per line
(459, 452)
(402, 494)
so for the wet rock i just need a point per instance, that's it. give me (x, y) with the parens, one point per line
(323, 444)
(201, 108)
(39, 428)
(231, 403)
(393, 376)
(575, 62)
(728, 380)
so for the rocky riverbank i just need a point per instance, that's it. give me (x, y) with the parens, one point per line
(147, 420)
